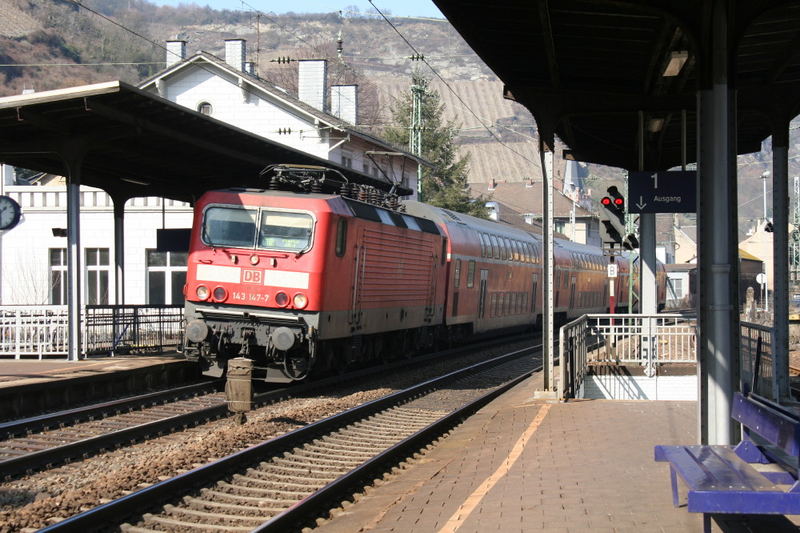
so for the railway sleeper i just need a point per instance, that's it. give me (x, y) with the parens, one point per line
(323, 453)
(359, 452)
(227, 497)
(309, 473)
(289, 461)
(214, 518)
(277, 483)
(306, 458)
(172, 524)
(377, 438)
(341, 444)
(277, 494)
(194, 502)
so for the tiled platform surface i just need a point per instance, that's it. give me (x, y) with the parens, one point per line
(587, 467)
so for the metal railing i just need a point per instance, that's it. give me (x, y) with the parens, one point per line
(646, 340)
(43, 331)
(115, 329)
(30, 330)
(757, 361)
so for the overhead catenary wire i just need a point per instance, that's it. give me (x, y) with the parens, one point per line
(164, 48)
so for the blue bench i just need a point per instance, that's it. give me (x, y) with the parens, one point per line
(758, 476)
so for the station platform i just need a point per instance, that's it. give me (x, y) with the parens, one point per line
(32, 386)
(524, 465)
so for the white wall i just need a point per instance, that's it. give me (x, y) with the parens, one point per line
(230, 104)
(24, 250)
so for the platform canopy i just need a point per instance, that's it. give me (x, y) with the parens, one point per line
(138, 144)
(586, 68)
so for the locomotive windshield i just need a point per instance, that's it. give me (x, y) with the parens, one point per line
(247, 228)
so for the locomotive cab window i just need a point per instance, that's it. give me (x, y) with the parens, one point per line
(229, 226)
(289, 232)
(341, 237)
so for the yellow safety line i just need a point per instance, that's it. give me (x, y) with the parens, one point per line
(472, 501)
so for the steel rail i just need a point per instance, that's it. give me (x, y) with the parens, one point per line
(135, 503)
(68, 417)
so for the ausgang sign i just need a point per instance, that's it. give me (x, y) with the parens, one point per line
(671, 191)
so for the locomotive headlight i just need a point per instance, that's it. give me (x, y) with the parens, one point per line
(202, 292)
(282, 299)
(220, 294)
(254, 259)
(300, 300)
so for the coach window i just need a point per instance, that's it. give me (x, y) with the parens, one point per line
(495, 247)
(341, 237)
(444, 250)
(471, 274)
(457, 274)
(486, 247)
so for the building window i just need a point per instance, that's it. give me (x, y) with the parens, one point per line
(677, 288)
(166, 276)
(205, 108)
(97, 276)
(347, 159)
(58, 276)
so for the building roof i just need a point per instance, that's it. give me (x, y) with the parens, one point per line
(587, 69)
(526, 197)
(280, 94)
(134, 143)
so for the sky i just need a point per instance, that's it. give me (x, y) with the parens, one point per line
(400, 8)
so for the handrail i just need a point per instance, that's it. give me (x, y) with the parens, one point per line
(646, 340)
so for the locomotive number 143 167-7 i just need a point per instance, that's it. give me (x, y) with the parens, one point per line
(250, 297)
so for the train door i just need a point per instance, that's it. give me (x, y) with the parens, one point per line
(359, 264)
(534, 283)
(572, 292)
(482, 294)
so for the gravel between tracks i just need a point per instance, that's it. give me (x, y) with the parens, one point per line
(46, 497)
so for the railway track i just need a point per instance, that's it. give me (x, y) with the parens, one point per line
(47, 440)
(282, 484)
(37, 442)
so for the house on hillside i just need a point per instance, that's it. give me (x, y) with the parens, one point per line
(520, 204)
(229, 90)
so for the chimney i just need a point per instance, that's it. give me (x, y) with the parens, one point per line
(494, 210)
(344, 102)
(235, 53)
(312, 81)
(176, 52)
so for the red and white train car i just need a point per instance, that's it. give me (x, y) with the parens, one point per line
(302, 281)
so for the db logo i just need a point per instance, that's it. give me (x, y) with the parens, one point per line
(252, 276)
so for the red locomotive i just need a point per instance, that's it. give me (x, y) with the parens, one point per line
(301, 280)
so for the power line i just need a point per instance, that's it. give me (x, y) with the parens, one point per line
(82, 64)
(463, 103)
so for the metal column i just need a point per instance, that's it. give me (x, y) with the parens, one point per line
(548, 352)
(780, 256)
(119, 249)
(717, 312)
(74, 162)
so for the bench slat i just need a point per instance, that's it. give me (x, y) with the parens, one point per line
(771, 424)
(714, 468)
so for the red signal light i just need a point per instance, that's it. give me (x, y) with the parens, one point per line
(619, 201)
(606, 200)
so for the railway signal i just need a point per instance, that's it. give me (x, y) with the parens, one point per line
(612, 222)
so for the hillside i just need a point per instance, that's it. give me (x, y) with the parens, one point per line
(47, 44)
